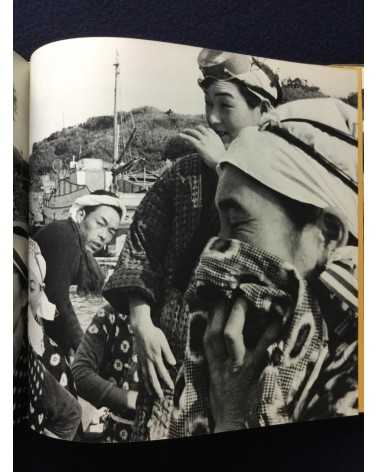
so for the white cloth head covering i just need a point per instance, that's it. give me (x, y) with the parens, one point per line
(94, 200)
(222, 65)
(20, 249)
(303, 162)
(37, 270)
(328, 111)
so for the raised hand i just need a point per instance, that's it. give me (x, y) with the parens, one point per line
(206, 142)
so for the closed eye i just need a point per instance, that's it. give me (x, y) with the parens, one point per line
(226, 105)
(233, 211)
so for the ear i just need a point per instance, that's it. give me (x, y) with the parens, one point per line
(319, 240)
(80, 215)
(334, 228)
(265, 107)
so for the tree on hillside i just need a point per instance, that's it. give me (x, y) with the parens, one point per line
(351, 99)
(296, 89)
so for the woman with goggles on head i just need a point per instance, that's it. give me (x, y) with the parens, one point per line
(172, 226)
(238, 90)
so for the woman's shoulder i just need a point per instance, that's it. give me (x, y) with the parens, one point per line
(190, 163)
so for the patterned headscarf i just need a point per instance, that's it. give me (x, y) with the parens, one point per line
(221, 65)
(303, 162)
(311, 157)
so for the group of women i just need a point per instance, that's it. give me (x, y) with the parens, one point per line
(257, 326)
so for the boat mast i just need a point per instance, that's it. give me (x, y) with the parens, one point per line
(115, 117)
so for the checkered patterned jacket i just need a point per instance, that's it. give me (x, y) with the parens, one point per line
(169, 231)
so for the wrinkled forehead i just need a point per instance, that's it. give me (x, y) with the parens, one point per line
(109, 213)
(234, 184)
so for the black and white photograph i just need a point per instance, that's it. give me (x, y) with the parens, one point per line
(21, 70)
(193, 248)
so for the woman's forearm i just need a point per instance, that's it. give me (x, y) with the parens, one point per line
(140, 312)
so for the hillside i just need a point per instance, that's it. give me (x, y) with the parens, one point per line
(94, 139)
(155, 138)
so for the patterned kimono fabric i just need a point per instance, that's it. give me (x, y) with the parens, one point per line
(53, 360)
(119, 365)
(302, 366)
(169, 231)
(20, 386)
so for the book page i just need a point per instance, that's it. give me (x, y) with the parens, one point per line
(20, 219)
(167, 180)
(21, 70)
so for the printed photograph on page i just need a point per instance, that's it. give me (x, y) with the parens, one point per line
(193, 262)
(21, 71)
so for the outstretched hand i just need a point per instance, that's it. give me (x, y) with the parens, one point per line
(152, 349)
(153, 353)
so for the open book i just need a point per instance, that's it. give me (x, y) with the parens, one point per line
(187, 240)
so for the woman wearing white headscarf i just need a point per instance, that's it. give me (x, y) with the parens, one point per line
(289, 227)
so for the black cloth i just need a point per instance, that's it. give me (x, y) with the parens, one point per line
(60, 246)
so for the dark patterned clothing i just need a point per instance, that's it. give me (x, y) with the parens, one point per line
(171, 227)
(20, 386)
(61, 248)
(311, 369)
(56, 362)
(52, 393)
(105, 368)
(37, 411)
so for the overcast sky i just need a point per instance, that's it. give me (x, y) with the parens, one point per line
(73, 80)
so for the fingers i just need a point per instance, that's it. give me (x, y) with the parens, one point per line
(215, 347)
(255, 360)
(193, 141)
(194, 132)
(198, 133)
(167, 353)
(233, 333)
(164, 374)
(145, 379)
(268, 337)
(154, 380)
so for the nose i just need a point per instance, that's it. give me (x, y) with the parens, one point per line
(102, 235)
(213, 117)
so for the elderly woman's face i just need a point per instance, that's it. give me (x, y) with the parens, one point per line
(252, 213)
(99, 227)
(227, 111)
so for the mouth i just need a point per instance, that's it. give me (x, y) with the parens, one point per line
(94, 246)
(225, 137)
